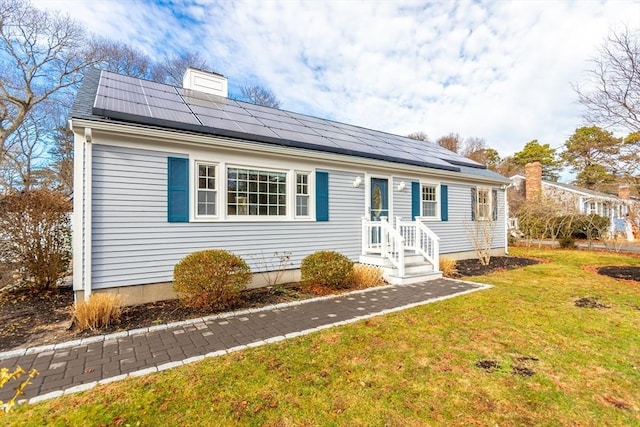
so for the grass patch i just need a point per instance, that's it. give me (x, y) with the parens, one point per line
(521, 353)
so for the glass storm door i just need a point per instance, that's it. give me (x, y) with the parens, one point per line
(379, 198)
(379, 205)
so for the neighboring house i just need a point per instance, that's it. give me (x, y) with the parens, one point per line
(621, 209)
(162, 171)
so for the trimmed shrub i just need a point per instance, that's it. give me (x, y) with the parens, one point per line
(212, 278)
(327, 268)
(567, 242)
(448, 267)
(364, 276)
(35, 235)
(100, 310)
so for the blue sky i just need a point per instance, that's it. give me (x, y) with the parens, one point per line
(500, 70)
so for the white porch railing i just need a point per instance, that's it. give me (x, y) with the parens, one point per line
(419, 238)
(379, 237)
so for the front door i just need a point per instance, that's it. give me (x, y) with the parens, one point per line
(379, 198)
(379, 206)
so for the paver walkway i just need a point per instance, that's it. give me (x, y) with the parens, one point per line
(80, 365)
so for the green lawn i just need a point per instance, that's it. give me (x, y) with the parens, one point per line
(416, 367)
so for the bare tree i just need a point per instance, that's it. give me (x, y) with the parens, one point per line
(419, 136)
(121, 58)
(174, 67)
(451, 142)
(473, 145)
(481, 233)
(477, 150)
(259, 95)
(629, 161)
(611, 94)
(21, 160)
(42, 54)
(62, 156)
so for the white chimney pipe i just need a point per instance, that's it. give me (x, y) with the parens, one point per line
(212, 83)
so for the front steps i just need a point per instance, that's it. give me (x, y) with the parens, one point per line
(416, 269)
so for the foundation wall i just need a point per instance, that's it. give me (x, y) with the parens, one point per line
(152, 292)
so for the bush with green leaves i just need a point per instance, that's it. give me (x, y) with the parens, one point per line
(327, 268)
(35, 235)
(211, 278)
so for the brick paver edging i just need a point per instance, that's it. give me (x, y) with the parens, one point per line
(173, 364)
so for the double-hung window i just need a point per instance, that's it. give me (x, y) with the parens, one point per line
(302, 194)
(429, 201)
(483, 204)
(254, 192)
(207, 192)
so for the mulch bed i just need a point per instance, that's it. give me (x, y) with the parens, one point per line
(624, 272)
(30, 319)
(586, 302)
(28, 316)
(472, 267)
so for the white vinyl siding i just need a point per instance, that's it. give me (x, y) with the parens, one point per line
(134, 244)
(454, 232)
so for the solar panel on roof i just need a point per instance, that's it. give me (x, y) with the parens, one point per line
(173, 115)
(145, 102)
(257, 130)
(262, 116)
(218, 123)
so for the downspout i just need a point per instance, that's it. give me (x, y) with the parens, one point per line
(506, 218)
(77, 219)
(87, 222)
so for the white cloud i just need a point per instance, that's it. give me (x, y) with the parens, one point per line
(498, 70)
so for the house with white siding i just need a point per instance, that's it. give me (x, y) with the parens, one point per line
(163, 171)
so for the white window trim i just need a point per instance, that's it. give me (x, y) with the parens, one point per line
(221, 196)
(437, 217)
(194, 190)
(489, 202)
(310, 191)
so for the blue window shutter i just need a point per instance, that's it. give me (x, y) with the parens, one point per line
(322, 196)
(474, 203)
(415, 200)
(178, 189)
(494, 204)
(444, 202)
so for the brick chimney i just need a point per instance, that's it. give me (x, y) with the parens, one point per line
(533, 183)
(624, 191)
